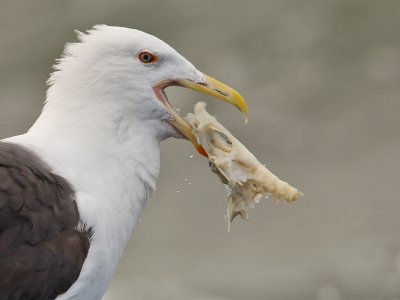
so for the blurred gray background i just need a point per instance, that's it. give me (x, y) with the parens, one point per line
(322, 79)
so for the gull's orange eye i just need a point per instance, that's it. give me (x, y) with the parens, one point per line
(147, 57)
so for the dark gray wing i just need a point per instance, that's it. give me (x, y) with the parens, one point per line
(41, 251)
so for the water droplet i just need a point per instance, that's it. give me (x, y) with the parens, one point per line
(189, 182)
(178, 191)
(191, 156)
(186, 180)
(265, 165)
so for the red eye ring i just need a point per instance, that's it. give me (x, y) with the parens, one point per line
(147, 57)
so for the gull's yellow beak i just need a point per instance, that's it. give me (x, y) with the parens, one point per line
(217, 89)
(211, 87)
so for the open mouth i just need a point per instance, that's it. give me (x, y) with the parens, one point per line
(209, 86)
(177, 121)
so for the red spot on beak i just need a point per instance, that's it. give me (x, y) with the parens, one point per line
(201, 150)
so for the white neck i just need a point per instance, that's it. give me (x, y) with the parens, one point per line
(98, 146)
(112, 160)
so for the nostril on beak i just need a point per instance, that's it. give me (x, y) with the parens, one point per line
(221, 92)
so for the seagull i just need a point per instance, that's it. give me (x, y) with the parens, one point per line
(73, 187)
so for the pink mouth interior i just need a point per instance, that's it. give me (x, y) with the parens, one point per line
(159, 90)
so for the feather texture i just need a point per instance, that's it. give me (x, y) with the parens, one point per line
(41, 251)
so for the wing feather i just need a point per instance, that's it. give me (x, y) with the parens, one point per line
(41, 250)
